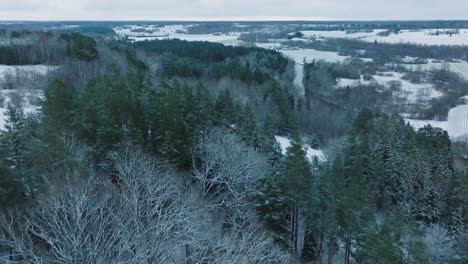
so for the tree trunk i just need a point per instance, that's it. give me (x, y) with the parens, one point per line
(331, 250)
(347, 250)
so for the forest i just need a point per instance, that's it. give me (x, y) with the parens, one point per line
(165, 151)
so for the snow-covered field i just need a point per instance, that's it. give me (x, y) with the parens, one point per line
(458, 67)
(153, 32)
(310, 152)
(423, 37)
(411, 91)
(298, 55)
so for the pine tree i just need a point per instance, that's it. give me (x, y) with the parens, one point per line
(380, 244)
(296, 182)
(11, 192)
(58, 106)
(225, 108)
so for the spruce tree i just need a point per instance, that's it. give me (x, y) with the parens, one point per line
(13, 137)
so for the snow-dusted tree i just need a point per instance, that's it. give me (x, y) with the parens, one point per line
(155, 218)
(13, 136)
(296, 182)
(143, 217)
(247, 246)
(228, 171)
(439, 244)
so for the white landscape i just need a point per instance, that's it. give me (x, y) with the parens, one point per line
(423, 36)
(233, 132)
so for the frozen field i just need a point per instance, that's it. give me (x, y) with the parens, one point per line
(423, 37)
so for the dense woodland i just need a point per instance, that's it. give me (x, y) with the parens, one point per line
(165, 152)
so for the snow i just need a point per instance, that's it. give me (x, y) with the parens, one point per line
(458, 122)
(423, 37)
(270, 45)
(460, 68)
(153, 32)
(298, 55)
(412, 92)
(456, 126)
(344, 82)
(39, 69)
(339, 34)
(285, 143)
(299, 77)
(417, 124)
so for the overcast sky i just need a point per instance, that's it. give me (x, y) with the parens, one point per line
(233, 9)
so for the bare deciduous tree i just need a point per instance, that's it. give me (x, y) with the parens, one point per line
(439, 244)
(227, 170)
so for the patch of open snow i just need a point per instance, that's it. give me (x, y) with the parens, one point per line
(285, 143)
(299, 77)
(298, 55)
(458, 121)
(344, 82)
(269, 45)
(456, 126)
(417, 124)
(411, 91)
(460, 68)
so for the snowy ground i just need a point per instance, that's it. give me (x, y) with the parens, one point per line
(423, 37)
(311, 153)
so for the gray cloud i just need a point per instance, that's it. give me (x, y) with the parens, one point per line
(232, 9)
